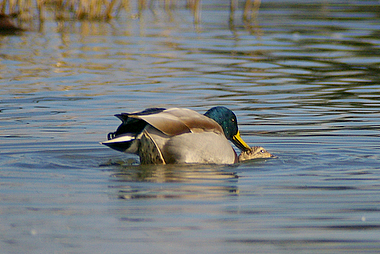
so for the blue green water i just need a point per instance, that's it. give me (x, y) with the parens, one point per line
(302, 78)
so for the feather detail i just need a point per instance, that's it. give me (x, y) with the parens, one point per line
(166, 123)
(176, 121)
(120, 139)
(124, 143)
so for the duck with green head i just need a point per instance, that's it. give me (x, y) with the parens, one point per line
(178, 135)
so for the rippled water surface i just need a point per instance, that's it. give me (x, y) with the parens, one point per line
(302, 77)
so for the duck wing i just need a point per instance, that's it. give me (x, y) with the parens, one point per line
(177, 121)
(170, 122)
(131, 123)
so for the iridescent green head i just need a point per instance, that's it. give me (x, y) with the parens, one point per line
(227, 120)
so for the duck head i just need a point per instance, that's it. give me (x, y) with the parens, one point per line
(227, 120)
(256, 152)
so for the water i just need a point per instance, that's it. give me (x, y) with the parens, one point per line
(303, 79)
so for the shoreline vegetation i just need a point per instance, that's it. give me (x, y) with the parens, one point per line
(105, 10)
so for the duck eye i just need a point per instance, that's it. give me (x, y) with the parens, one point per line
(262, 151)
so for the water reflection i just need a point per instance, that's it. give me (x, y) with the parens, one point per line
(175, 181)
(307, 89)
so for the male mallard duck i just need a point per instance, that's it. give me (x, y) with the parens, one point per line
(178, 135)
(256, 152)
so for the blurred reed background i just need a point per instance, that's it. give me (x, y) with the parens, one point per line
(27, 10)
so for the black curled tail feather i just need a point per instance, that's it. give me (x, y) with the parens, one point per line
(126, 137)
(111, 135)
(132, 125)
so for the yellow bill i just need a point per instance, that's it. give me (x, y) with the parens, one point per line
(239, 142)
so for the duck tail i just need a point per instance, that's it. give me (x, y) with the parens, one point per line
(127, 136)
(123, 143)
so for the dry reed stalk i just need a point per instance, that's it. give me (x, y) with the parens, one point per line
(195, 7)
(107, 9)
(90, 9)
(41, 10)
(251, 9)
(250, 17)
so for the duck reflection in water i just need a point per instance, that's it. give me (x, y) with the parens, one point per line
(197, 181)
